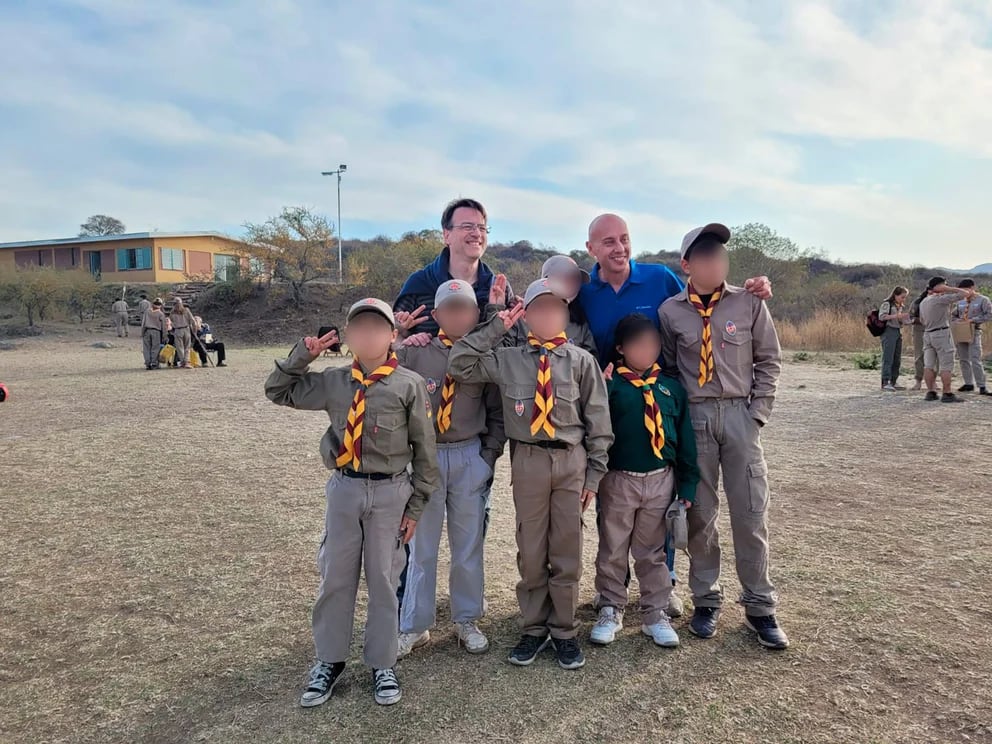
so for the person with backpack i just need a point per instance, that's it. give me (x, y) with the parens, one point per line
(892, 313)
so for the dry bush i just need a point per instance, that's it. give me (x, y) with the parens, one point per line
(827, 330)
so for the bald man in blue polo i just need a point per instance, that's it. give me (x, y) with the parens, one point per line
(620, 286)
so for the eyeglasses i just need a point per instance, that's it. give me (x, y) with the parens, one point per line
(469, 227)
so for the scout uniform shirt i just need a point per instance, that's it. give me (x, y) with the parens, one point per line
(119, 307)
(581, 413)
(154, 319)
(978, 310)
(935, 310)
(144, 306)
(746, 352)
(631, 450)
(891, 308)
(477, 410)
(397, 427)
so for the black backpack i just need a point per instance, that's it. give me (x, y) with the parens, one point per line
(875, 326)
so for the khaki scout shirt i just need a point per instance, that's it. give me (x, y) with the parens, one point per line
(154, 320)
(979, 309)
(398, 428)
(581, 414)
(477, 410)
(747, 357)
(119, 307)
(182, 320)
(144, 306)
(935, 310)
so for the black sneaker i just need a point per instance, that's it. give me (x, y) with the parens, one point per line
(527, 650)
(769, 634)
(387, 687)
(323, 679)
(983, 391)
(703, 622)
(950, 398)
(931, 395)
(966, 389)
(569, 653)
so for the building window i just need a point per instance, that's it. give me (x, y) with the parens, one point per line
(225, 267)
(172, 259)
(132, 259)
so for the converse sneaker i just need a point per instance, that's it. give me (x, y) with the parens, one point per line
(608, 624)
(661, 633)
(387, 687)
(323, 679)
(409, 641)
(769, 634)
(527, 649)
(569, 653)
(471, 638)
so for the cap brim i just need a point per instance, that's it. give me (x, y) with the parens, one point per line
(369, 309)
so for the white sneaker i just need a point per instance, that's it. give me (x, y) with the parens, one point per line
(409, 641)
(609, 623)
(386, 686)
(889, 388)
(469, 635)
(662, 633)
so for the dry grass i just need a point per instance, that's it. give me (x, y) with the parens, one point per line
(159, 532)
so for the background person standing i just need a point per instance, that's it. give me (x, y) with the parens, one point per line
(119, 313)
(892, 312)
(975, 309)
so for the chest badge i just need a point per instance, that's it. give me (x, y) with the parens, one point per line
(664, 390)
(518, 408)
(731, 328)
(431, 385)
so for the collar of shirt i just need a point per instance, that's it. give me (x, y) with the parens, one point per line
(683, 296)
(636, 277)
(443, 264)
(559, 350)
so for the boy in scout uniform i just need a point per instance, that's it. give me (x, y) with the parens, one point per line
(723, 342)
(938, 344)
(119, 312)
(557, 418)
(975, 309)
(153, 330)
(470, 438)
(183, 328)
(380, 424)
(653, 458)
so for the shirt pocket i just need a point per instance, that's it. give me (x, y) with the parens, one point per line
(389, 429)
(519, 399)
(736, 347)
(566, 410)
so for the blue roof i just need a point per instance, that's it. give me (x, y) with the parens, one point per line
(107, 238)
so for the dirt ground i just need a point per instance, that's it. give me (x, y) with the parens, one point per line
(159, 531)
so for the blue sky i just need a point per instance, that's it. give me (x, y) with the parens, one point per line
(863, 129)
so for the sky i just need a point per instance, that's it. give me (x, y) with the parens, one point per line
(860, 129)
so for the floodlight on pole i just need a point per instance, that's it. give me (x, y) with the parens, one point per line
(341, 169)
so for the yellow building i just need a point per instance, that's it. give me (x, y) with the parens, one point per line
(152, 257)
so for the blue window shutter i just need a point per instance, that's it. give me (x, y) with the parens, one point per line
(121, 259)
(144, 258)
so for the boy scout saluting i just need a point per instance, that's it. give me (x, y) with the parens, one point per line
(724, 344)
(938, 344)
(557, 417)
(469, 420)
(152, 333)
(380, 423)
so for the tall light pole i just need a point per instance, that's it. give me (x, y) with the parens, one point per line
(341, 169)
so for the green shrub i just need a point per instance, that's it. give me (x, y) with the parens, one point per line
(867, 361)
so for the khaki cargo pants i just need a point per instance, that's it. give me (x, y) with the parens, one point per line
(151, 342)
(728, 439)
(120, 324)
(970, 356)
(547, 496)
(362, 525)
(632, 521)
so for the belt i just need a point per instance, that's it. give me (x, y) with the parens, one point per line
(632, 474)
(366, 476)
(942, 328)
(555, 444)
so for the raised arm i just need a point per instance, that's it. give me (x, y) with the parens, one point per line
(292, 383)
(472, 358)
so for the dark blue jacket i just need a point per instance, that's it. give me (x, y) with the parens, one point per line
(421, 286)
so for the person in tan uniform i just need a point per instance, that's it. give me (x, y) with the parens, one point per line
(557, 418)
(470, 438)
(119, 313)
(153, 330)
(974, 309)
(183, 328)
(938, 344)
(380, 425)
(722, 342)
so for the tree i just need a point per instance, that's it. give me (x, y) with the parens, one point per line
(101, 224)
(81, 292)
(35, 289)
(297, 246)
(382, 268)
(757, 250)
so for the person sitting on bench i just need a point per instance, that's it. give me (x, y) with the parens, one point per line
(206, 342)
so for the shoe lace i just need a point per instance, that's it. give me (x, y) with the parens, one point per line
(567, 645)
(320, 675)
(385, 677)
(606, 618)
(469, 628)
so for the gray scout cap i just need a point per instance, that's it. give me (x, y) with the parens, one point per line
(372, 305)
(539, 288)
(722, 232)
(558, 265)
(454, 289)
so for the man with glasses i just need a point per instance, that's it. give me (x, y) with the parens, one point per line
(466, 236)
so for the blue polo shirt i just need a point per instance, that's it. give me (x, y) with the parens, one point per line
(646, 288)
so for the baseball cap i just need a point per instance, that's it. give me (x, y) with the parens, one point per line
(452, 289)
(538, 288)
(157, 301)
(560, 264)
(722, 232)
(372, 305)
